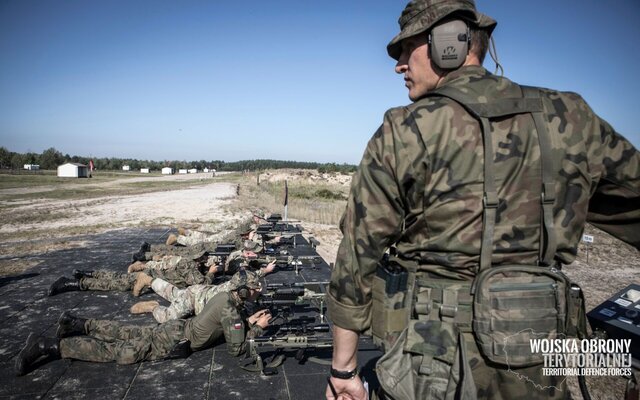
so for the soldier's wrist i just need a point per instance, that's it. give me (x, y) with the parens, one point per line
(343, 373)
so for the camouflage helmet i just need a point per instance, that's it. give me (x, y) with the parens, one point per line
(246, 278)
(421, 15)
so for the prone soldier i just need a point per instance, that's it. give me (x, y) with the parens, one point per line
(191, 301)
(105, 341)
(179, 271)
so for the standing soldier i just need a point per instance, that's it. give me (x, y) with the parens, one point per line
(479, 180)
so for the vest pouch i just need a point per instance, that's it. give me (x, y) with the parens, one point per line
(394, 370)
(420, 364)
(391, 306)
(517, 303)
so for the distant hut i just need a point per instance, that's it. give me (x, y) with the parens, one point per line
(73, 170)
(31, 167)
(182, 171)
(193, 171)
(167, 171)
(144, 170)
(126, 168)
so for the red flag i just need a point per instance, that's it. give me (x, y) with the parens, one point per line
(286, 193)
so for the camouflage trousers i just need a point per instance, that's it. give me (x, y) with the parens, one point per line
(195, 238)
(104, 280)
(201, 236)
(182, 251)
(184, 302)
(110, 341)
(180, 275)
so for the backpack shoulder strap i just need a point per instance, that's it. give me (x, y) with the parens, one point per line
(529, 103)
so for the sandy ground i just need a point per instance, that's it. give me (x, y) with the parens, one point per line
(204, 203)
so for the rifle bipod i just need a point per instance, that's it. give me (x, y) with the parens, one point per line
(257, 364)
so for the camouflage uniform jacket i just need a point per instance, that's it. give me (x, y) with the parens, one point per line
(419, 187)
(204, 293)
(179, 271)
(220, 317)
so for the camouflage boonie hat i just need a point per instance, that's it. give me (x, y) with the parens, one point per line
(250, 280)
(421, 15)
(252, 246)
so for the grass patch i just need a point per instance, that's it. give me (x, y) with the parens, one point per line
(31, 179)
(32, 217)
(313, 202)
(92, 191)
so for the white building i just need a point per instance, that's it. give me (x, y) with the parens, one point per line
(205, 170)
(144, 170)
(126, 168)
(182, 171)
(167, 171)
(31, 167)
(193, 171)
(73, 170)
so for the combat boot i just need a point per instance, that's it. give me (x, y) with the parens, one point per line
(171, 240)
(140, 254)
(144, 307)
(142, 281)
(136, 267)
(63, 285)
(35, 348)
(78, 273)
(69, 325)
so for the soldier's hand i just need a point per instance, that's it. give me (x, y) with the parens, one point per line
(261, 318)
(346, 389)
(270, 267)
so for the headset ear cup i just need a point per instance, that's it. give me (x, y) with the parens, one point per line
(449, 44)
(243, 290)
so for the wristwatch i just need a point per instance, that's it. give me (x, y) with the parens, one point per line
(344, 374)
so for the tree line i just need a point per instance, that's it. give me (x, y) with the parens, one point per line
(52, 158)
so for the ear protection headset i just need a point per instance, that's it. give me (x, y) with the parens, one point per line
(243, 291)
(449, 44)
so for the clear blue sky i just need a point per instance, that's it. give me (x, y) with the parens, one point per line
(289, 80)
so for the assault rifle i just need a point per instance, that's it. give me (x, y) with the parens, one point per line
(274, 286)
(287, 262)
(300, 342)
(281, 300)
(222, 251)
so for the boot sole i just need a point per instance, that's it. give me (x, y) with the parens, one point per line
(60, 331)
(20, 367)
